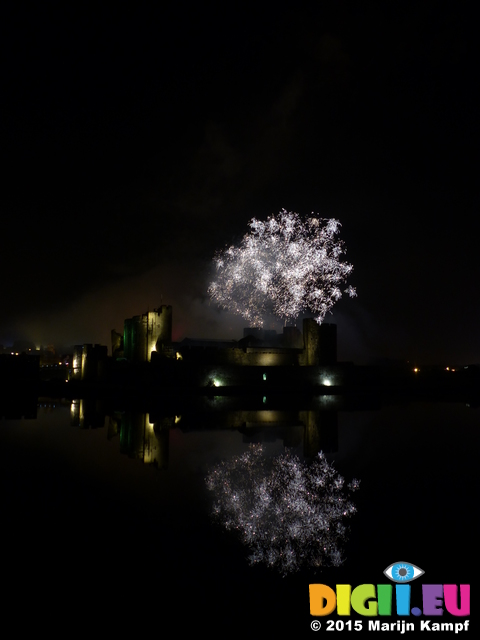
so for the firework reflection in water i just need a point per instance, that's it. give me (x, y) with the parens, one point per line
(289, 513)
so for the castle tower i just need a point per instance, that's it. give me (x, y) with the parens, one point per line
(89, 362)
(151, 331)
(328, 343)
(320, 342)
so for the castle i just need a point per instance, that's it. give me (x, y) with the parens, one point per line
(146, 354)
(148, 338)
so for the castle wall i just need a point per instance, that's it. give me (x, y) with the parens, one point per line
(245, 357)
(319, 348)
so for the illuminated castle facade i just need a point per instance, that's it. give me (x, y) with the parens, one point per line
(148, 338)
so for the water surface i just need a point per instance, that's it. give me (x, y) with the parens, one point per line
(107, 517)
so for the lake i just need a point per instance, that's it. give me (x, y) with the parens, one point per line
(107, 517)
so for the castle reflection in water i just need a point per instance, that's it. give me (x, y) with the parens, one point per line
(311, 425)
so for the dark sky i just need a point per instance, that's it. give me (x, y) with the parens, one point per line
(136, 142)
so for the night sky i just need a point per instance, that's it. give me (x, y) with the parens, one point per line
(137, 142)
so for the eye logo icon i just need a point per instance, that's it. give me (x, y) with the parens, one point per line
(403, 572)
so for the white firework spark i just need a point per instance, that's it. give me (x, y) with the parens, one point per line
(289, 514)
(285, 265)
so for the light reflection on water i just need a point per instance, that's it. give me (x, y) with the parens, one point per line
(119, 499)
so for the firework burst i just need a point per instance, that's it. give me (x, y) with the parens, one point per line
(282, 266)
